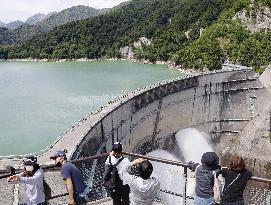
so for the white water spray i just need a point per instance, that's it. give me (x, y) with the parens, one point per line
(169, 176)
(192, 145)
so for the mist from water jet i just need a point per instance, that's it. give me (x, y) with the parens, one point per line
(192, 145)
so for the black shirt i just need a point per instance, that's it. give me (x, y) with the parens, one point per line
(234, 192)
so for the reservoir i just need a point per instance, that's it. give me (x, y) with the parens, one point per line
(41, 100)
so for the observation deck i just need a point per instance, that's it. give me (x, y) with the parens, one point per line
(258, 190)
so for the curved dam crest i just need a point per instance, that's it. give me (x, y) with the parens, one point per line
(220, 103)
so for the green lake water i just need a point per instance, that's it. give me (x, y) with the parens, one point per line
(39, 101)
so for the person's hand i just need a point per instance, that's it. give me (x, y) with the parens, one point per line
(10, 179)
(13, 178)
(112, 153)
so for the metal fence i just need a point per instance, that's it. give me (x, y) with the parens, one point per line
(173, 184)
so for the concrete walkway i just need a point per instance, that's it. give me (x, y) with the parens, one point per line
(105, 201)
(108, 201)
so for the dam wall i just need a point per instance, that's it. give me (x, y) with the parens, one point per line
(232, 107)
(219, 104)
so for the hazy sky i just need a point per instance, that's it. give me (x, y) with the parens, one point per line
(11, 10)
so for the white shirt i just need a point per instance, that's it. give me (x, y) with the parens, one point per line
(34, 190)
(121, 166)
(143, 191)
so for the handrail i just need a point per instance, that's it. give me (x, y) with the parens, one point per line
(165, 161)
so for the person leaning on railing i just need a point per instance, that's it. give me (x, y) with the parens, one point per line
(236, 178)
(32, 177)
(204, 191)
(78, 191)
(143, 188)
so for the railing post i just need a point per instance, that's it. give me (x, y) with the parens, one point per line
(185, 183)
(12, 170)
(268, 199)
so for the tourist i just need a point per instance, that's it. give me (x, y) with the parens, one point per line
(78, 191)
(236, 178)
(143, 188)
(204, 193)
(32, 177)
(120, 194)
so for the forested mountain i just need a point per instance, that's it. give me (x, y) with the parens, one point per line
(33, 20)
(2, 24)
(74, 13)
(173, 27)
(14, 24)
(41, 23)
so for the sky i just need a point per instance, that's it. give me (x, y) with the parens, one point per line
(11, 10)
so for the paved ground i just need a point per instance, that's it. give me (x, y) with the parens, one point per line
(108, 201)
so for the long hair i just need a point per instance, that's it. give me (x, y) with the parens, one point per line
(237, 164)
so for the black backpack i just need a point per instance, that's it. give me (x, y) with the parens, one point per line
(112, 180)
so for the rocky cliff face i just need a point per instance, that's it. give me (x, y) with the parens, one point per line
(254, 141)
(255, 20)
(127, 51)
(265, 78)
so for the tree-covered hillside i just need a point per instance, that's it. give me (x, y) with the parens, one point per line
(173, 27)
(32, 28)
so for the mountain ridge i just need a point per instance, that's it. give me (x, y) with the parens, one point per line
(196, 34)
(41, 23)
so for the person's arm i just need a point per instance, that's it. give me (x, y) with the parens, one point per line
(223, 171)
(110, 155)
(15, 178)
(249, 174)
(70, 190)
(192, 166)
(34, 180)
(128, 178)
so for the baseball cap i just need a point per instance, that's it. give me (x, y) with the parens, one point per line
(59, 153)
(29, 162)
(210, 159)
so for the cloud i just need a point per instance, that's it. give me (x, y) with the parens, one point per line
(11, 10)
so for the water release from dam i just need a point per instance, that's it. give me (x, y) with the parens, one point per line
(191, 144)
(38, 101)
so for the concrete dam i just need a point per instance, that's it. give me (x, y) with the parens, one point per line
(223, 104)
(231, 106)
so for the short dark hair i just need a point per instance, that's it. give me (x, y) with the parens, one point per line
(237, 164)
(145, 169)
(117, 148)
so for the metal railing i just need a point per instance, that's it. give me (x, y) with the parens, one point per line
(53, 178)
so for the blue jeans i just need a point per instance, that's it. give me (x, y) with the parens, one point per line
(203, 201)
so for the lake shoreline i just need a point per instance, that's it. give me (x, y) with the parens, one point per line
(169, 64)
